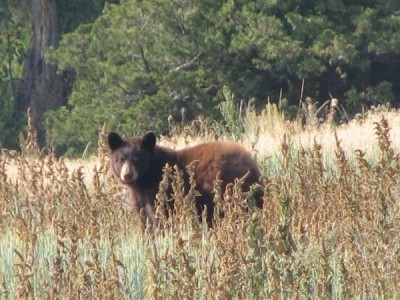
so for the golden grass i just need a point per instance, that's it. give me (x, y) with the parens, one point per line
(264, 133)
(330, 227)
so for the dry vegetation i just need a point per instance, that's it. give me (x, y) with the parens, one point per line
(330, 227)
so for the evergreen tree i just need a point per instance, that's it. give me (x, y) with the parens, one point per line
(142, 62)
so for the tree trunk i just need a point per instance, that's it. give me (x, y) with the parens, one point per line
(43, 87)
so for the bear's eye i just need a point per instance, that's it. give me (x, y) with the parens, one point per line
(120, 159)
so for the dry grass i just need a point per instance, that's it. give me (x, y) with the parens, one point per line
(330, 227)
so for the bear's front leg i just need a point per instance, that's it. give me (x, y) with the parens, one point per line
(148, 202)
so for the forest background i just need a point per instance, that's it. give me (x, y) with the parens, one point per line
(144, 65)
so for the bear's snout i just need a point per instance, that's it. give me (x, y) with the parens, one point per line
(128, 173)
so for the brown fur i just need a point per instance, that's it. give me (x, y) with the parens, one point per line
(145, 159)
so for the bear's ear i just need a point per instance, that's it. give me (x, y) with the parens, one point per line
(149, 141)
(114, 141)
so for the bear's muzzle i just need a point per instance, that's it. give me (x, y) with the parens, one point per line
(128, 173)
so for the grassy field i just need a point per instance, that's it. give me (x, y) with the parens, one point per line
(330, 227)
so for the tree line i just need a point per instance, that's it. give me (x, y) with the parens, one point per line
(137, 65)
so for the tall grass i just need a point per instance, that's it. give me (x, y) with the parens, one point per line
(330, 227)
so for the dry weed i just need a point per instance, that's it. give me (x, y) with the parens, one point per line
(329, 229)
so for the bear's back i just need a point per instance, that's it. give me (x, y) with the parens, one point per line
(228, 160)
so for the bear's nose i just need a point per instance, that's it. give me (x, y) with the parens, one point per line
(127, 173)
(127, 176)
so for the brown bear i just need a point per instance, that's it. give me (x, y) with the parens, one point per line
(138, 163)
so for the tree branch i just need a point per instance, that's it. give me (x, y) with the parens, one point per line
(144, 60)
(189, 65)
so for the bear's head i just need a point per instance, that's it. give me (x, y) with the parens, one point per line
(131, 159)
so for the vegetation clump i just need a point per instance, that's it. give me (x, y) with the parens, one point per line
(66, 231)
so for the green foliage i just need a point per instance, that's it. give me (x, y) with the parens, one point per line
(14, 39)
(382, 94)
(232, 115)
(72, 13)
(134, 67)
(141, 62)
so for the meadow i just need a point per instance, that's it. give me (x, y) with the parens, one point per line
(329, 229)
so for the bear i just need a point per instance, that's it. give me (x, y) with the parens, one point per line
(138, 163)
